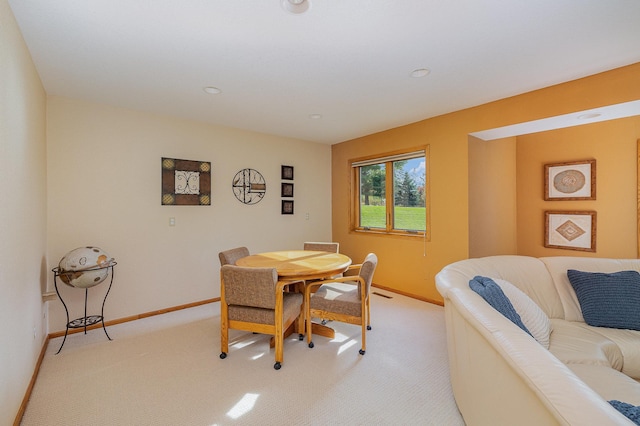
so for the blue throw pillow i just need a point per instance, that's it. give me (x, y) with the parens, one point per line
(608, 300)
(493, 294)
(632, 412)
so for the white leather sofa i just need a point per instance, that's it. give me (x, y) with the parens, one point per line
(503, 376)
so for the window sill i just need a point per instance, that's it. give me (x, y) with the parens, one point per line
(380, 232)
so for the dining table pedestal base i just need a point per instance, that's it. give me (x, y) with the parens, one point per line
(319, 329)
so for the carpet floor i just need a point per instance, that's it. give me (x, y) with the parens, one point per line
(166, 370)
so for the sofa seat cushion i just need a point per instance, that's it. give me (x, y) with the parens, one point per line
(572, 343)
(610, 384)
(628, 342)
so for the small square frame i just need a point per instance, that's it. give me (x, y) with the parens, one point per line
(287, 206)
(286, 189)
(570, 230)
(287, 172)
(568, 181)
(195, 186)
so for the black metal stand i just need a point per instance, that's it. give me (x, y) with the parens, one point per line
(85, 321)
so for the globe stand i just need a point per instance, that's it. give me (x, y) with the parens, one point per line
(85, 321)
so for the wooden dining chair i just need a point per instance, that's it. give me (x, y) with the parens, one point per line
(252, 299)
(229, 257)
(344, 299)
(321, 246)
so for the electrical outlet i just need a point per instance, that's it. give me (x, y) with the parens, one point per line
(172, 221)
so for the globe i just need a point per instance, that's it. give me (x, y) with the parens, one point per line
(84, 267)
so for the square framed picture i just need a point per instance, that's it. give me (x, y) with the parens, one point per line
(287, 206)
(287, 190)
(570, 230)
(570, 181)
(185, 182)
(287, 172)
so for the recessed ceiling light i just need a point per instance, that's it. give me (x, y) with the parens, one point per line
(315, 116)
(212, 90)
(420, 72)
(296, 6)
(589, 116)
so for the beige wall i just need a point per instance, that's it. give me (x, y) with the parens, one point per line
(22, 215)
(78, 173)
(409, 265)
(104, 190)
(613, 144)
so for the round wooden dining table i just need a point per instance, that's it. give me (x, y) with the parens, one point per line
(301, 265)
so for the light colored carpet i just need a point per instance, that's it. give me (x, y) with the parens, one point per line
(166, 370)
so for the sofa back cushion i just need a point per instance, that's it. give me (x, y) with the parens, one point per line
(528, 274)
(558, 266)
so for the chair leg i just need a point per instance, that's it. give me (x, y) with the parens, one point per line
(368, 313)
(224, 331)
(300, 323)
(279, 338)
(364, 322)
(364, 338)
(307, 316)
(224, 321)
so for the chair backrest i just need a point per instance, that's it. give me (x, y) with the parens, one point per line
(321, 246)
(229, 257)
(367, 269)
(253, 287)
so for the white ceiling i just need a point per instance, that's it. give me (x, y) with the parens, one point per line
(348, 60)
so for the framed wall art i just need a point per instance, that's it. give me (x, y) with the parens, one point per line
(570, 181)
(287, 206)
(287, 189)
(287, 172)
(570, 230)
(186, 182)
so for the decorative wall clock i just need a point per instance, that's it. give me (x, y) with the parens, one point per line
(249, 186)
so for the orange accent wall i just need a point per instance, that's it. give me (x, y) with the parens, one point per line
(492, 197)
(410, 265)
(613, 145)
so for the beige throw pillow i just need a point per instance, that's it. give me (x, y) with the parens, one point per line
(534, 318)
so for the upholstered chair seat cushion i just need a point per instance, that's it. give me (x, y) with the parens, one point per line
(339, 298)
(291, 307)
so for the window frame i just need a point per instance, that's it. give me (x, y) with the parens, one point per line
(388, 159)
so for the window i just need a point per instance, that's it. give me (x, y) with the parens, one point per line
(390, 193)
